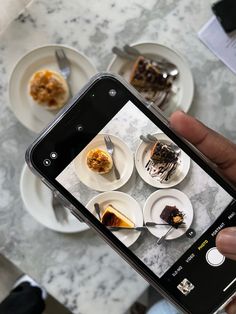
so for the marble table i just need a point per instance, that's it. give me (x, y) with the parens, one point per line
(77, 269)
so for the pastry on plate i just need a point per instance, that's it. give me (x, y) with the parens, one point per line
(112, 217)
(147, 75)
(99, 161)
(49, 89)
(163, 162)
(172, 216)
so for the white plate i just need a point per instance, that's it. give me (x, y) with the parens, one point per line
(183, 87)
(155, 204)
(142, 156)
(37, 200)
(123, 158)
(126, 205)
(25, 109)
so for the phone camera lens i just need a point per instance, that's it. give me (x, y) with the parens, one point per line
(80, 128)
(53, 155)
(112, 92)
(47, 162)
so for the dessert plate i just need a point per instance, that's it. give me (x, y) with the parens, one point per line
(183, 87)
(37, 199)
(155, 204)
(123, 158)
(127, 206)
(31, 115)
(142, 156)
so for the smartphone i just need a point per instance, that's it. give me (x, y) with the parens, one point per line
(225, 11)
(116, 163)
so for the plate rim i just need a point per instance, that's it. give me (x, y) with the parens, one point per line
(24, 56)
(139, 43)
(25, 168)
(165, 191)
(131, 168)
(158, 186)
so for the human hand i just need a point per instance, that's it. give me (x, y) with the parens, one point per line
(222, 152)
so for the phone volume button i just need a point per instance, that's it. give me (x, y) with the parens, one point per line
(51, 187)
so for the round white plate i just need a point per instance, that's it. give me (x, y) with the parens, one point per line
(126, 205)
(25, 109)
(155, 204)
(142, 156)
(123, 158)
(37, 199)
(183, 87)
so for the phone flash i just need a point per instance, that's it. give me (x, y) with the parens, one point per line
(112, 92)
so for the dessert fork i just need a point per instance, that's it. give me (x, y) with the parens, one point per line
(110, 149)
(160, 240)
(64, 66)
(59, 210)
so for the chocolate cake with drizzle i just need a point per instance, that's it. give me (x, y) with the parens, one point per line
(147, 75)
(163, 161)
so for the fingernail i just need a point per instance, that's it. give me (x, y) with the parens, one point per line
(226, 241)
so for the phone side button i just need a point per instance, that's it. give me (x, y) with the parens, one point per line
(77, 215)
(51, 187)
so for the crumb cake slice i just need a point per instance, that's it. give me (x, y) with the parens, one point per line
(112, 217)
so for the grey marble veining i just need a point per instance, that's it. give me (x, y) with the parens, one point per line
(56, 260)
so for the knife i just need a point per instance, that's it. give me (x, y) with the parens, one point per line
(153, 224)
(126, 228)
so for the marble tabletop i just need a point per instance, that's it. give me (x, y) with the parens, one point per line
(81, 270)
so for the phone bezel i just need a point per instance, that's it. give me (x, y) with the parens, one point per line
(80, 211)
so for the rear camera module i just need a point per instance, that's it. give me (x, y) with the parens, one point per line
(80, 128)
(112, 92)
(53, 155)
(47, 162)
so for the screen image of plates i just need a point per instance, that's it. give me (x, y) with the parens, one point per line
(143, 154)
(183, 87)
(123, 157)
(37, 198)
(30, 114)
(154, 206)
(127, 206)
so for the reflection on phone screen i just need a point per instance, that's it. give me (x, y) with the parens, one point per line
(132, 175)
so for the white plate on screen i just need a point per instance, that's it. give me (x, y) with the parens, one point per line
(127, 206)
(37, 200)
(155, 204)
(25, 109)
(183, 87)
(123, 158)
(142, 156)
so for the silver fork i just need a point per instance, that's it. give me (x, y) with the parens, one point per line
(110, 149)
(64, 66)
(59, 209)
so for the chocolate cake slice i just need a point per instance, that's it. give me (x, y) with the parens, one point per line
(147, 75)
(172, 216)
(163, 153)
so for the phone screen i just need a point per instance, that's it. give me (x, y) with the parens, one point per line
(159, 187)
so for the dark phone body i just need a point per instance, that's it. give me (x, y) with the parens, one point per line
(225, 11)
(92, 109)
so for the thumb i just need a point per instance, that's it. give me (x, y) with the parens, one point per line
(226, 242)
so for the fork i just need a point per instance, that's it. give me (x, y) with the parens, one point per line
(110, 149)
(64, 66)
(59, 210)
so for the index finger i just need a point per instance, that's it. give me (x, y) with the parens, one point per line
(213, 145)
